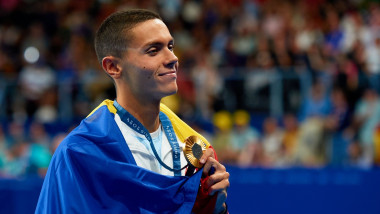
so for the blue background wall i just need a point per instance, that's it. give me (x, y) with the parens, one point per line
(304, 191)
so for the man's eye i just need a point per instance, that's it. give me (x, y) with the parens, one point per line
(171, 47)
(152, 51)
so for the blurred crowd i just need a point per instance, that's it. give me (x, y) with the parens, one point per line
(271, 83)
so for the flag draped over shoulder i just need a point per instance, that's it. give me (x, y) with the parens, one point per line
(93, 171)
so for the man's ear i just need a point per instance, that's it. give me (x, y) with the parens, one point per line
(112, 67)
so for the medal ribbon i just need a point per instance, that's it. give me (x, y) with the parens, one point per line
(134, 124)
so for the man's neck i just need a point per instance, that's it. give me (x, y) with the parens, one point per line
(147, 113)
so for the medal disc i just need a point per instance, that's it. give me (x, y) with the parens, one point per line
(194, 150)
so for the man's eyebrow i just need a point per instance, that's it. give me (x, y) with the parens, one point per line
(156, 43)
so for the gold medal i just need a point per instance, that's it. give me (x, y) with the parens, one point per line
(194, 149)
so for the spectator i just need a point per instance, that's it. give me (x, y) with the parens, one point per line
(222, 138)
(39, 154)
(207, 85)
(336, 125)
(35, 81)
(291, 137)
(244, 138)
(311, 149)
(367, 117)
(377, 146)
(3, 150)
(272, 144)
(316, 104)
(373, 63)
(17, 160)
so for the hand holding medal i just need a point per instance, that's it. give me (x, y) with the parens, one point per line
(194, 149)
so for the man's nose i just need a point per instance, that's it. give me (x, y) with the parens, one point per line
(172, 60)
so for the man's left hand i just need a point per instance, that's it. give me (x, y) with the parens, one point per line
(218, 182)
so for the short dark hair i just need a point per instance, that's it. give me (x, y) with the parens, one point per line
(113, 35)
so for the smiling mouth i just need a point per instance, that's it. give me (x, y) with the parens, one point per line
(166, 73)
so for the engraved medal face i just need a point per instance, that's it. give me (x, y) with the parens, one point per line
(194, 150)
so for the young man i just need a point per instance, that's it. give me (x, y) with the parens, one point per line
(127, 155)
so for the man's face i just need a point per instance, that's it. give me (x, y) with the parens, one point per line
(149, 64)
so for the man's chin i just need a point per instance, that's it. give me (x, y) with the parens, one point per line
(164, 92)
(170, 93)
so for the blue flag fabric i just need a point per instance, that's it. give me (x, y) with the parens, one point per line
(93, 171)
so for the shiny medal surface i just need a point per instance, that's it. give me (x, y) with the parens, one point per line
(194, 149)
